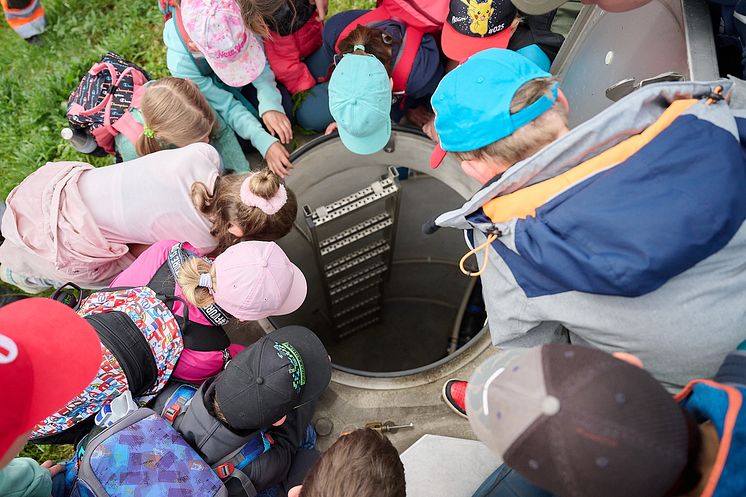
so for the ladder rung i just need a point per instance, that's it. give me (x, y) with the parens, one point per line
(356, 291)
(356, 258)
(379, 190)
(355, 233)
(356, 278)
(359, 305)
(346, 333)
(360, 316)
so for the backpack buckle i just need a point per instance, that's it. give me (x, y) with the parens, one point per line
(225, 470)
(172, 412)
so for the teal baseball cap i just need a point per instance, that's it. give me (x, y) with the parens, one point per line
(360, 102)
(472, 102)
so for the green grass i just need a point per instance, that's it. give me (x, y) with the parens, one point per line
(36, 81)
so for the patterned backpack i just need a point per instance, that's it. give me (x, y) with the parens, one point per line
(98, 106)
(142, 455)
(141, 342)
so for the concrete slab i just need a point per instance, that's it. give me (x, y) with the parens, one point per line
(437, 466)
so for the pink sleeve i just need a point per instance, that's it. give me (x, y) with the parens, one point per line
(142, 270)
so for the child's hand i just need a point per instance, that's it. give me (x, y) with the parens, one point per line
(278, 125)
(321, 8)
(278, 160)
(54, 468)
(331, 128)
(429, 129)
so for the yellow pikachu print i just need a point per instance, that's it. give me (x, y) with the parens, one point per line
(480, 13)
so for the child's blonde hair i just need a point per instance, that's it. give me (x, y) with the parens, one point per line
(528, 139)
(177, 113)
(188, 279)
(256, 12)
(224, 208)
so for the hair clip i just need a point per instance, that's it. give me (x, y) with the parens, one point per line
(148, 132)
(205, 280)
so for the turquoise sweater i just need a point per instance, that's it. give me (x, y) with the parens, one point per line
(232, 111)
(23, 477)
(224, 141)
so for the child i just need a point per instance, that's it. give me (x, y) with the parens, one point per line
(270, 386)
(293, 44)
(386, 41)
(249, 281)
(550, 408)
(71, 222)
(219, 42)
(362, 463)
(591, 229)
(473, 26)
(39, 339)
(173, 113)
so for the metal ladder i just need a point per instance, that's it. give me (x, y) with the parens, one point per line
(354, 241)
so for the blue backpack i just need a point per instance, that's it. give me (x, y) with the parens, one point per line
(142, 455)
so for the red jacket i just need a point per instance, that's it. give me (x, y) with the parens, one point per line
(285, 54)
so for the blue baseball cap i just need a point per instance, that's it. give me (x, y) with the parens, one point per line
(472, 102)
(360, 102)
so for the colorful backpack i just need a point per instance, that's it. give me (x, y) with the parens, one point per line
(98, 106)
(419, 17)
(142, 455)
(141, 342)
(149, 450)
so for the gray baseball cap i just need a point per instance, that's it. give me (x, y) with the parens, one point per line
(578, 422)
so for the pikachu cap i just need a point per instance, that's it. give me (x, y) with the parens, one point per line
(476, 25)
(472, 102)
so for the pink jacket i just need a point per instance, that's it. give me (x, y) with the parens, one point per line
(194, 366)
(52, 233)
(285, 54)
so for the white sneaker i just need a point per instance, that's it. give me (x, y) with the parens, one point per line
(26, 283)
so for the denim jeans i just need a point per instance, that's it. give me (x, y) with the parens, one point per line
(505, 482)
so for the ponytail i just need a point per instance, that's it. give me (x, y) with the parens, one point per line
(377, 42)
(188, 278)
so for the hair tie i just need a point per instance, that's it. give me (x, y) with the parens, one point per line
(270, 205)
(358, 47)
(205, 280)
(148, 132)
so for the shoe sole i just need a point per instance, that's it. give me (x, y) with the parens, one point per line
(444, 396)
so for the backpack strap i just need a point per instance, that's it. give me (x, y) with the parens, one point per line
(127, 124)
(178, 403)
(233, 464)
(407, 51)
(176, 257)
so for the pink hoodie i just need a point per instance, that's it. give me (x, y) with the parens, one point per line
(194, 365)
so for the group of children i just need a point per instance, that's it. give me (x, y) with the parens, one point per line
(624, 235)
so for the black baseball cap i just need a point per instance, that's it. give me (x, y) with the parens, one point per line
(285, 369)
(476, 25)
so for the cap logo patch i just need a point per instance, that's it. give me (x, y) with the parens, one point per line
(8, 350)
(298, 369)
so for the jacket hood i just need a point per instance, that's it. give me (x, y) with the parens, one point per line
(664, 192)
(204, 432)
(722, 405)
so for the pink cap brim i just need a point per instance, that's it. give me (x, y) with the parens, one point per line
(437, 156)
(244, 68)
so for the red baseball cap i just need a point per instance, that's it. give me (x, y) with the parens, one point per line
(48, 355)
(476, 25)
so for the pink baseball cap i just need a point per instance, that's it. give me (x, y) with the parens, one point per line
(218, 30)
(256, 279)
